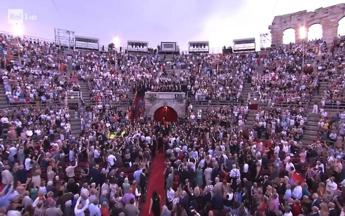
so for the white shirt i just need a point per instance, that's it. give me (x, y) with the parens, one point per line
(331, 186)
(94, 210)
(148, 139)
(170, 195)
(70, 171)
(71, 156)
(13, 213)
(111, 160)
(276, 149)
(4, 120)
(96, 154)
(245, 168)
(321, 166)
(12, 151)
(80, 212)
(235, 173)
(28, 164)
(297, 192)
(289, 166)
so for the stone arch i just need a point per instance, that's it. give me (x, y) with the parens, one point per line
(328, 17)
(165, 114)
(315, 31)
(289, 36)
(151, 107)
(341, 26)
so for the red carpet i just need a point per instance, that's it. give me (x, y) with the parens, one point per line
(155, 183)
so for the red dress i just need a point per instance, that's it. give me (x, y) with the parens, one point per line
(296, 209)
(262, 208)
(105, 211)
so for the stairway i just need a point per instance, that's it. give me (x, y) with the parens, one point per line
(3, 100)
(310, 133)
(250, 120)
(86, 93)
(245, 92)
(323, 86)
(75, 123)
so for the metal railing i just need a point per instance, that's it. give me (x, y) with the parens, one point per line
(335, 106)
(212, 102)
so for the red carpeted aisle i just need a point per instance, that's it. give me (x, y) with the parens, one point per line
(155, 183)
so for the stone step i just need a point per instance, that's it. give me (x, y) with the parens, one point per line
(250, 122)
(310, 132)
(314, 117)
(75, 122)
(75, 133)
(307, 142)
(311, 127)
(3, 100)
(312, 122)
(86, 93)
(318, 98)
(309, 137)
(76, 128)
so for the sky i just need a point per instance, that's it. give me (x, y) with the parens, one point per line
(216, 21)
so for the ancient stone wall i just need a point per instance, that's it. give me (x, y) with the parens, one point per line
(156, 100)
(327, 17)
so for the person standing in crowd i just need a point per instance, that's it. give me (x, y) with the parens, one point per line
(155, 205)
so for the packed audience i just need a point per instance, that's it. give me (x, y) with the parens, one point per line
(283, 80)
(334, 95)
(273, 122)
(35, 71)
(215, 163)
(112, 76)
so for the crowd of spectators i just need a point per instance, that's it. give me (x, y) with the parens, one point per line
(266, 169)
(331, 128)
(278, 122)
(206, 77)
(47, 171)
(334, 94)
(111, 76)
(35, 71)
(282, 79)
(215, 163)
(213, 171)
